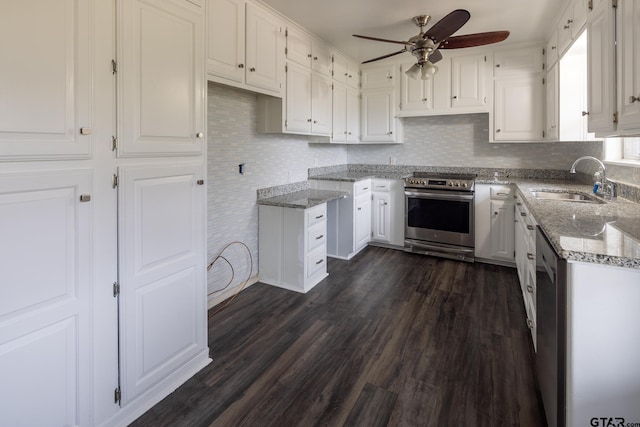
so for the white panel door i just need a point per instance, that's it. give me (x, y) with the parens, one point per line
(381, 217)
(518, 108)
(629, 65)
(468, 86)
(225, 37)
(45, 96)
(552, 100)
(264, 49)
(298, 99)
(298, 46)
(162, 272)
(353, 115)
(339, 113)
(601, 66)
(502, 230)
(320, 104)
(378, 115)
(160, 79)
(363, 221)
(45, 341)
(417, 94)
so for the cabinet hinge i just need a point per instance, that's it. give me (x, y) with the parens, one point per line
(117, 396)
(543, 134)
(286, 50)
(543, 52)
(114, 66)
(614, 3)
(543, 66)
(286, 32)
(116, 289)
(615, 117)
(485, 58)
(114, 181)
(590, 4)
(543, 81)
(286, 68)
(285, 124)
(114, 143)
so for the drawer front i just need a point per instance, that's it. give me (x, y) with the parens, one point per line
(502, 192)
(380, 185)
(316, 214)
(316, 236)
(361, 187)
(317, 261)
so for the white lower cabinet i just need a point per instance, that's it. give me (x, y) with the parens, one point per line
(348, 219)
(293, 246)
(494, 222)
(525, 249)
(387, 212)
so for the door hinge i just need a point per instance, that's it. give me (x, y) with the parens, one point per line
(285, 124)
(543, 81)
(114, 66)
(485, 58)
(286, 32)
(614, 4)
(114, 143)
(286, 68)
(615, 117)
(114, 181)
(590, 4)
(543, 51)
(543, 134)
(116, 289)
(117, 396)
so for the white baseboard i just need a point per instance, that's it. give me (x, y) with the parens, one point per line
(221, 296)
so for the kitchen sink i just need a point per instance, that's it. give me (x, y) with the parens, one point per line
(565, 196)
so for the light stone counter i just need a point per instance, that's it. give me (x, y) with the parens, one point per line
(303, 199)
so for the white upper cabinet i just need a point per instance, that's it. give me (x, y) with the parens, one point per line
(320, 58)
(45, 101)
(518, 109)
(628, 46)
(571, 23)
(225, 47)
(415, 94)
(468, 82)
(345, 71)
(378, 115)
(517, 60)
(320, 104)
(552, 101)
(305, 50)
(160, 79)
(601, 65)
(346, 114)
(298, 100)
(245, 46)
(379, 76)
(551, 51)
(264, 49)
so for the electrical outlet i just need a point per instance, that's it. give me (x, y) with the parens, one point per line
(393, 160)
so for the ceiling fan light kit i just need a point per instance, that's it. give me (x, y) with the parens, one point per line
(425, 46)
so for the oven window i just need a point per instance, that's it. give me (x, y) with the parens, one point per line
(443, 215)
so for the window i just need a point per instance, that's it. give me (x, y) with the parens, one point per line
(622, 150)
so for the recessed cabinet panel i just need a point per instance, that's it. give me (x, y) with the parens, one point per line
(378, 115)
(629, 65)
(45, 95)
(417, 94)
(378, 77)
(298, 103)
(162, 273)
(552, 103)
(519, 60)
(518, 108)
(225, 50)
(263, 49)
(298, 46)
(160, 82)
(468, 81)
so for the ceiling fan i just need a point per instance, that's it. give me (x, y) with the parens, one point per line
(426, 46)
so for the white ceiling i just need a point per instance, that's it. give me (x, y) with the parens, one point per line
(335, 21)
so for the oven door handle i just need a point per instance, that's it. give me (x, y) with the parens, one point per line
(441, 196)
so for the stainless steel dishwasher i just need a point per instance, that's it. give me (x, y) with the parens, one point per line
(551, 303)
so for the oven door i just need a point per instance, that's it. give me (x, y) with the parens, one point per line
(439, 216)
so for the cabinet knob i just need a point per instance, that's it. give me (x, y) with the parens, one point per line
(308, 55)
(585, 113)
(309, 120)
(530, 323)
(530, 256)
(389, 133)
(424, 99)
(240, 65)
(199, 135)
(523, 214)
(497, 65)
(350, 76)
(315, 58)
(553, 48)
(530, 227)
(252, 69)
(315, 121)
(530, 289)
(348, 133)
(569, 21)
(633, 99)
(359, 209)
(497, 130)
(566, 27)
(455, 97)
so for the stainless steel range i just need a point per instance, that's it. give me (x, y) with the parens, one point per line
(439, 215)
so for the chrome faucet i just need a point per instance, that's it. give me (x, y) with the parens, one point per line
(608, 189)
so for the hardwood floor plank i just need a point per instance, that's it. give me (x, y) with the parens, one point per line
(389, 338)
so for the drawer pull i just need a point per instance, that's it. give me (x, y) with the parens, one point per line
(359, 209)
(530, 289)
(530, 323)
(320, 237)
(503, 194)
(320, 216)
(530, 227)
(530, 256)
(523, 214)
(365, 188)
(319, 261)
(518, 203)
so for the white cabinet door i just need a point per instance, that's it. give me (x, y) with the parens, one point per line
(321, 59)
(160, 79)
(502, 230)
(552, 100)
(518, 108)
(551, 50)
(515, 61)
(264, 49)
(362, 221)
(468, 81)
(45, 96)
(380, 76)
(381, 217)
(45, 317)
(600, 72)
(339, 114)
(161, 221)
(628, 45)
(353, 115)
(378, 115)
(225, 35)
(416, 94)
(320, 104)
(298, 46)
(298, 103)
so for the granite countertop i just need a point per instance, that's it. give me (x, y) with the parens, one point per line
(353, 176)
(303, 199)
(607, 233)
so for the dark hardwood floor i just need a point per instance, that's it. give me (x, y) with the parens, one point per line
(388, 339)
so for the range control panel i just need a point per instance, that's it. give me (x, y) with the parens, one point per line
(440, 183)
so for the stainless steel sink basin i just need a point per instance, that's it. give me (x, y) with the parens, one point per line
(565, 196)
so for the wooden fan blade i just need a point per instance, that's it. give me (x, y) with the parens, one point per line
(385, 56)
(435, 56)
(448, 25)
(470, 40)
(384, 40)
